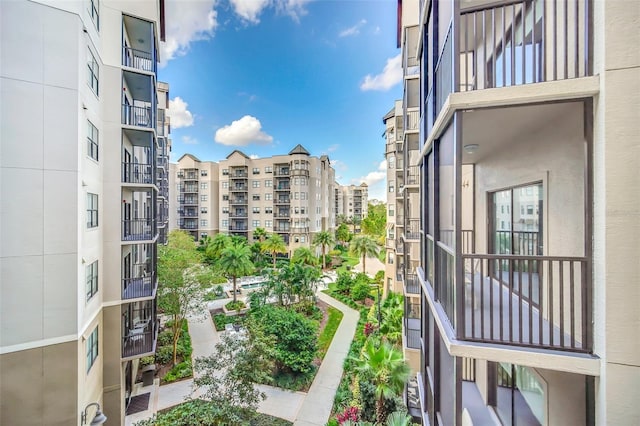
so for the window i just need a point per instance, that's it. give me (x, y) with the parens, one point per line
(225, 210)
(91, 272)
(268, 183)
(203, 198)
(296, 195)
(296, 181)
(391, 186)
(225, 172)
(94, 72)
(203, 210)
(225, 223)
(391, 210)
(92, 141)
(268, 210)
(256, 209)
(255, 224)
(390, 258)
(255, 184)
(268, 224)
(225, 198)
(203, 173)
(268, 196)
(519, 395)
(256, 171)
(203, 235)
(256, 197)
(303, 238)
(268, 169)
(92, 210)
(92, 348)
(204, 185)
(303, 196)
(225, 185)
(203, 222)
(94, 13)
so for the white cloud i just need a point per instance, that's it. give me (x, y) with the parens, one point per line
(333, 147)
(293, 8)
(389, 77)
(339, 165)
(188, 21)
(354, 30)
(254, 156)
(243, 132)
(376, 181)
(188, 140)
(180, 115)
(249, 10)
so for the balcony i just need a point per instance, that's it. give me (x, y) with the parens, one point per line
(239, 188)
(411, 284)
(138, 229)
(188, 201)
(238, 227)
(137, 115)
(188, 213)
(282, 214)
(140, 340)
(143, 286)
(237, 214)
(238, 201)
(283, 200)
(138, 173)
(281, 172)
(243, 175)
(188, 189)
(412, 230)
(282, 188)
(412, 120)
(138, 50)
(412, 176)
(412, 333)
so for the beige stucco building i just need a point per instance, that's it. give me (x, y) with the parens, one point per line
(291, 195)
(352, 202)
(194, 201)
(83, 144)
(527, 268)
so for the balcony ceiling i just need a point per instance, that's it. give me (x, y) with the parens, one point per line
(495, 129)
(139, 86)
(140, 33)
(138, 137)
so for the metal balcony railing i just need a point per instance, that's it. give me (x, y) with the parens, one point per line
(412, 229)
(141, 339)
(143, 286)
(137, 173)
(411, 284)
(138, 229)
(138, 59)
(140, 116)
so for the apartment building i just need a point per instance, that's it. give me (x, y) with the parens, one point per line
(82, 146)
(352, 202)
(196, 198)
(527, 263)
(164, 149)
(285, 194)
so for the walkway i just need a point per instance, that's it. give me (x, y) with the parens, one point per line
(372, 264)
(312, 408)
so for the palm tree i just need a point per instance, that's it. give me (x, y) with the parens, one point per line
(323, 239)
(355, 221)
(364, 246)
(388, 371)
(260, 234)
(216, 245)
(305, 256)
(274, 245)
(398, 419)
(235, 261)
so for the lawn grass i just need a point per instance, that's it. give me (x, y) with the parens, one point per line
(325, 338)
(347, 261)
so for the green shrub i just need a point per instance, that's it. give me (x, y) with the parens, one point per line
(179, 371)
(147, 360)
(344, 282)
(164, 354)
(220, 320)
(165, 337)
(360, 290)
(235, 306)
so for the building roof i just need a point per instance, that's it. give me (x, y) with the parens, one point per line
(239, 152)
(299, 149)
(193, 157)
(390, 114)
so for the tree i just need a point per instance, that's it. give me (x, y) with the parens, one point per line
(179, 288)
(392, 313)
(323, 239)
(387, 371)
(274, 244)
(364, 246)
(235, 261)
(376, 221)
(215, 247)
(228, 375)
(342, 234)
(260, 234)
(355, 221)
(304, 255)
(341, 218)
(295, 349)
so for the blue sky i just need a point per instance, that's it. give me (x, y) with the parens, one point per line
(264, 75)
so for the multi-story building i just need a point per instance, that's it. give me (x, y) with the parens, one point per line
(79, 132)
(195, 202)
(528, 238)
(352, 203)
(285, 194)
(162, 173)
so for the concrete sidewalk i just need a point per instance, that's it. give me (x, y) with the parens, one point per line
(317, 406)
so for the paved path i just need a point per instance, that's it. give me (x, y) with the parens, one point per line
(317, 406)
(372, 264)
(312, 408)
